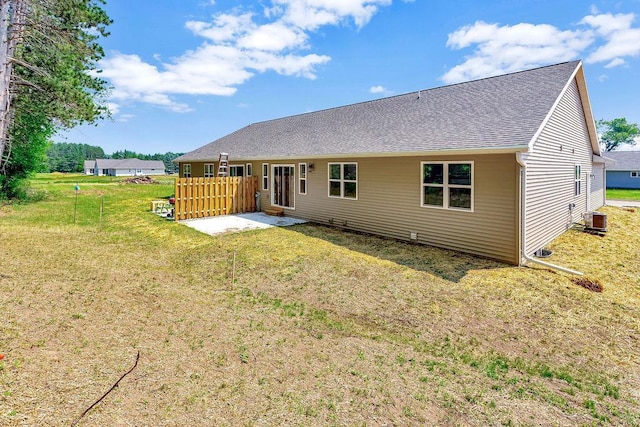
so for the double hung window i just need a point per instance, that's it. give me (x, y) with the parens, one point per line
(265, 176)
(578, 180)
(343, 180)
(186, 170)
(447, 185)
(302, 178)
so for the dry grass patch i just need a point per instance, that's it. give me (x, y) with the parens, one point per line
(319, 327)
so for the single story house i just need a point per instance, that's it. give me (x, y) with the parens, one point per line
(496, 167)
(123, 167)
(89, 167)
(625, 172)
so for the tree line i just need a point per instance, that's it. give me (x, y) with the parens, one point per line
(70, 157)
(49, 50)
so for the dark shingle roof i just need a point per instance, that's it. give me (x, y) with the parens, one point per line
(500, 112)
(625, 160)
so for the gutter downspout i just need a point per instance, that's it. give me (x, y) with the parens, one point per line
(523, 222)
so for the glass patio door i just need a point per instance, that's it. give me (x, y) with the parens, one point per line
(283, 191)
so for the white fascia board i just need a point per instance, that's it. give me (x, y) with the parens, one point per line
(429, 153)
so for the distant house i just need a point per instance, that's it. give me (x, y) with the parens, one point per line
(123, 167)
(625, 172)
(496, 167)
(89, 167)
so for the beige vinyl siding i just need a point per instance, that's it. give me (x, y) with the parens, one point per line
(197, 169)
(597, 187)
(388, 204)
(563, 143)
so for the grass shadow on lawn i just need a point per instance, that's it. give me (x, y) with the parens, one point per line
(447, 264)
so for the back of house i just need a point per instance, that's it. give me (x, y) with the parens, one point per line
(496, 167)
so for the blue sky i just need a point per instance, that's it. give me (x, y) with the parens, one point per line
(186, 72)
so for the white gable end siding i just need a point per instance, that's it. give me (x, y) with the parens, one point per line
(563, 143)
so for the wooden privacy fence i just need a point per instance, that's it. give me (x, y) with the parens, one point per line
(204, 197)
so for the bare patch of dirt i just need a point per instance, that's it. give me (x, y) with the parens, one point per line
(589, 284)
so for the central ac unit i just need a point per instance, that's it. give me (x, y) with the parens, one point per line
(595, 221)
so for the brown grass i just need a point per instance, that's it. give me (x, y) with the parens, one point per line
(320, 327)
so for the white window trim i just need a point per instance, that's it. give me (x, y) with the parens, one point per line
(342, 180)
(445, 185)
(186, 166)
(634, 174)
(265, 176)
(248, 169)
(210, 174)
(302, 166)
(273, 182)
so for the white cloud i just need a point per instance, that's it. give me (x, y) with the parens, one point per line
(274, 37)
(312, 14)
(503, 49)
(123, 118)
(224, 28)
(236, 46)
(512, 47)
(621, 39)
(377, 89)
(616, 62)
(113, 108)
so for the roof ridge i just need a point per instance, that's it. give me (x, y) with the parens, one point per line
(459, 116)
(409, 93)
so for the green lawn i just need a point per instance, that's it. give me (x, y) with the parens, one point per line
(306, 325)
(623, 194)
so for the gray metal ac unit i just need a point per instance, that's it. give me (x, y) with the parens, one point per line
(595, 221)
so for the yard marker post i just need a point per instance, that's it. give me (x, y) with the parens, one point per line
(101, 211)
(233, 270)
(75, 206)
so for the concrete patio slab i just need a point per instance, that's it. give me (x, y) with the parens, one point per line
(239, 222)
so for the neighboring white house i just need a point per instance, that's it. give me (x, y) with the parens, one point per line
(123, 167)
(89, 167)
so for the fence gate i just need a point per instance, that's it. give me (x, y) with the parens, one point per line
(205, 197)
